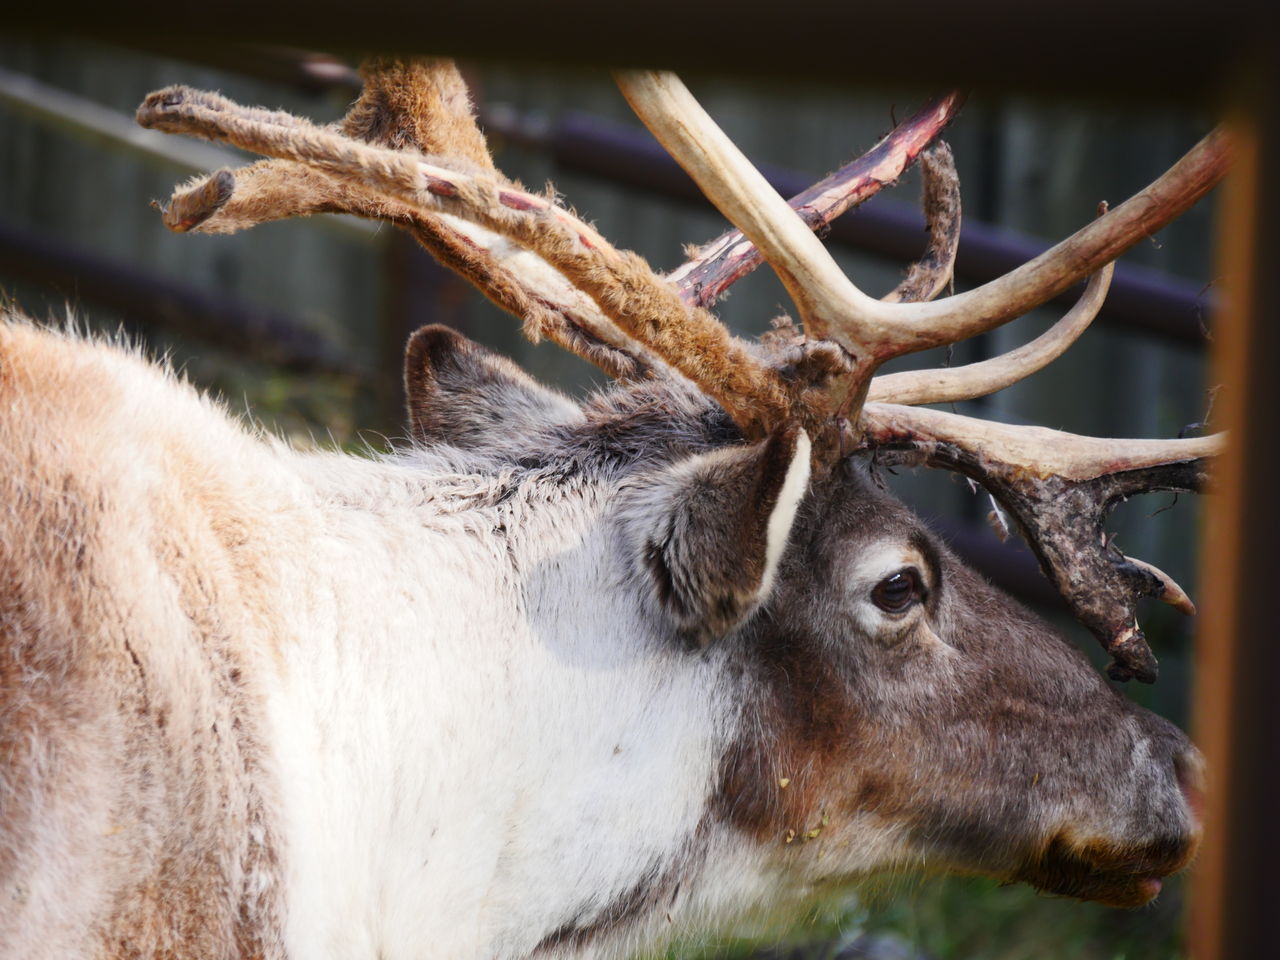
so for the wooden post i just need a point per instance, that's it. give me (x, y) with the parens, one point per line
(1237, 722)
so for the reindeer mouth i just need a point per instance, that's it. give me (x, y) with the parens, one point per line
(1100, 873)
(1125, 890)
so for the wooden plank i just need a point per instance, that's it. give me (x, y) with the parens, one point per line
(1171, 48)
(1238, 658)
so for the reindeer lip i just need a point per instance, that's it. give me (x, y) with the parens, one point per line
(1114, 890)
(1113, 887)
(1092, 872)
(1151, 886)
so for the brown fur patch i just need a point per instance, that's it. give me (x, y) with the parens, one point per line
(982, 738)
(420, 104)
(783, 784)
(131, 748)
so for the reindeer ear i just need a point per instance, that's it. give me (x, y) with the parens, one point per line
(460, 393)
(712, 530)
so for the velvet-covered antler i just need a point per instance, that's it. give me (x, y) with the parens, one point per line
(624, 326)
(423, 107)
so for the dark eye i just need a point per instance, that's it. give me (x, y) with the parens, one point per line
(896, 593)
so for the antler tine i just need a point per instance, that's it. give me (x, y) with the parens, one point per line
(626, 290)
(907, 328)
(422, 105)
(731, 256)
(951, 384)
(988, 376)
(821, 292)
(932, 273)
(1038, 452)
(1060, 488)
(832, 306)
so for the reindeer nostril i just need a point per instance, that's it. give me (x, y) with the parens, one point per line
(1188, 766)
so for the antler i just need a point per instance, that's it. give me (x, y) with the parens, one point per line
(628, 317)
(425, 107)
(409, 152)
(828, 302)
(1059, 488)
(731, 256)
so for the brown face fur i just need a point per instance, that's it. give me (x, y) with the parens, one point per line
(966, 725)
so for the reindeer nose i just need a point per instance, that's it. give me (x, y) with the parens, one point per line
(1188, 767)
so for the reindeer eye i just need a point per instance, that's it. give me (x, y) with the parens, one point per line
(896, 593)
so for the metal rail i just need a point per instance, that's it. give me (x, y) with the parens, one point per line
(150, 300)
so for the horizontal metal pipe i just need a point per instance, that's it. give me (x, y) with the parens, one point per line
(246, 328)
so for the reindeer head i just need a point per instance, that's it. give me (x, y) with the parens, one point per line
(883, 684)
(892, 707)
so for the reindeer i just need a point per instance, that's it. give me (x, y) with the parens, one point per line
(560, 679)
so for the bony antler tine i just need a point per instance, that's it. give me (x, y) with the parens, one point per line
(948, 385)
(910, 327)
(1035, 452)
(731, 256)
(932, 273)
(1173, 593)
(988, 376)
(821, 292)
(1059, 489)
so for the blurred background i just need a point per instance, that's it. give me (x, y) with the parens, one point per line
(300, 325)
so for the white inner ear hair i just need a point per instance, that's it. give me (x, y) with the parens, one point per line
(784, 511)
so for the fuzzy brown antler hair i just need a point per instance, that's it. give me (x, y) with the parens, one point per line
(628, 322)
(424, 107)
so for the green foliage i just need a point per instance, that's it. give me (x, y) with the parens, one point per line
(965, 918)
